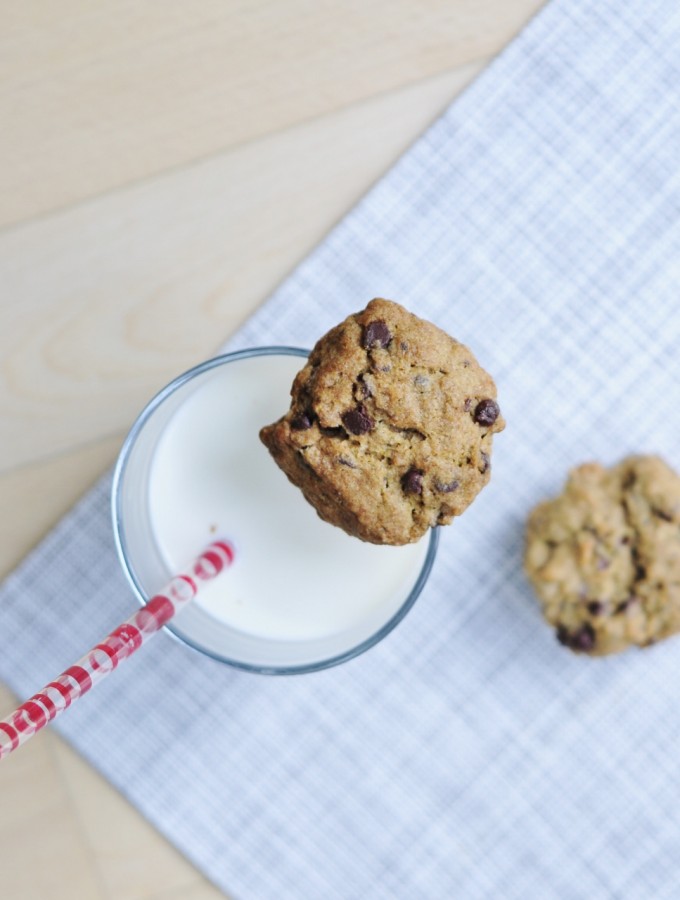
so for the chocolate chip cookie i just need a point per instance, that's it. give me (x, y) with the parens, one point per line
(604, 556)
(390, 428)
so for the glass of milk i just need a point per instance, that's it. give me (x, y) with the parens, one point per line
(301, 595)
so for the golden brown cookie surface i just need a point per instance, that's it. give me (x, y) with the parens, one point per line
(390, 427)
(604, 556)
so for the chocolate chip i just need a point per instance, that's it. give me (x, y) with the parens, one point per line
(301, 422)
(412, 482)
(582, 639)
(376, 334)
(357, 421)
(486, 412)
(345, 461)
(486, 462)
(625, 604)
(446, 487)
(562, 635)
(596, 607)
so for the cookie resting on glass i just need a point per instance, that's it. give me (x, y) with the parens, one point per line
(390, 427)
(604, 556)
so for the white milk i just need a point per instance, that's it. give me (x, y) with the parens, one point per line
(295, 578)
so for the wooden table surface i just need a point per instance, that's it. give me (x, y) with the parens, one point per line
(162, 167)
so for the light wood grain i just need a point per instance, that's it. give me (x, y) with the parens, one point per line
(133, 861)
(41, 838)
(115, 297)
(95, 95)
(33, 498)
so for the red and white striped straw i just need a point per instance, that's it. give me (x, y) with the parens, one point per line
(77, 680)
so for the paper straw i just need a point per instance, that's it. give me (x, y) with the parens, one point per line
(123, 641)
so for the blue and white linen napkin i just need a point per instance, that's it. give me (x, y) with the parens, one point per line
(469, 755)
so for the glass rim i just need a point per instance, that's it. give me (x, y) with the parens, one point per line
(131, 576)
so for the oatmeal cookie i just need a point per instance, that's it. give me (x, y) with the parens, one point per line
(390, 427)
(604, 556)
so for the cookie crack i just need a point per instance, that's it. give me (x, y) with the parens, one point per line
(639, 571)
(407, 432)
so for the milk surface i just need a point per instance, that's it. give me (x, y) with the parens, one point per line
(294, 577)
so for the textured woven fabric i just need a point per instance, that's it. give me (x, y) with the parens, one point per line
(468, 755)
